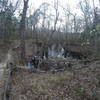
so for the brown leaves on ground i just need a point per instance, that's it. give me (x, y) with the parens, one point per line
(80, 84)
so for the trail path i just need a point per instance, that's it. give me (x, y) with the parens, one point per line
(2, 67)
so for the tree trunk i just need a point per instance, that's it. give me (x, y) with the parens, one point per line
(22, 32)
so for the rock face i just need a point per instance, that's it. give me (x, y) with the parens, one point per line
(33, 48)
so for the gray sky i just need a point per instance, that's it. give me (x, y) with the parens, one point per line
(34, 4)
(72, 3)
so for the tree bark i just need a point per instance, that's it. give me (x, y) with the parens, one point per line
(22, 33)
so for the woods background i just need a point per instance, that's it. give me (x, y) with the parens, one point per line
(75, 31)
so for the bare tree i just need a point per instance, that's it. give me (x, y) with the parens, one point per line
(56, 4)
(22, 32)
(95, 19)
(86, 9)
(46, 43)
(99, 2)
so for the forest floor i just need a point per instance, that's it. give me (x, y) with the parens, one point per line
(82, 82)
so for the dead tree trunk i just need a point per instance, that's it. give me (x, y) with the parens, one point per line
(22, 32)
